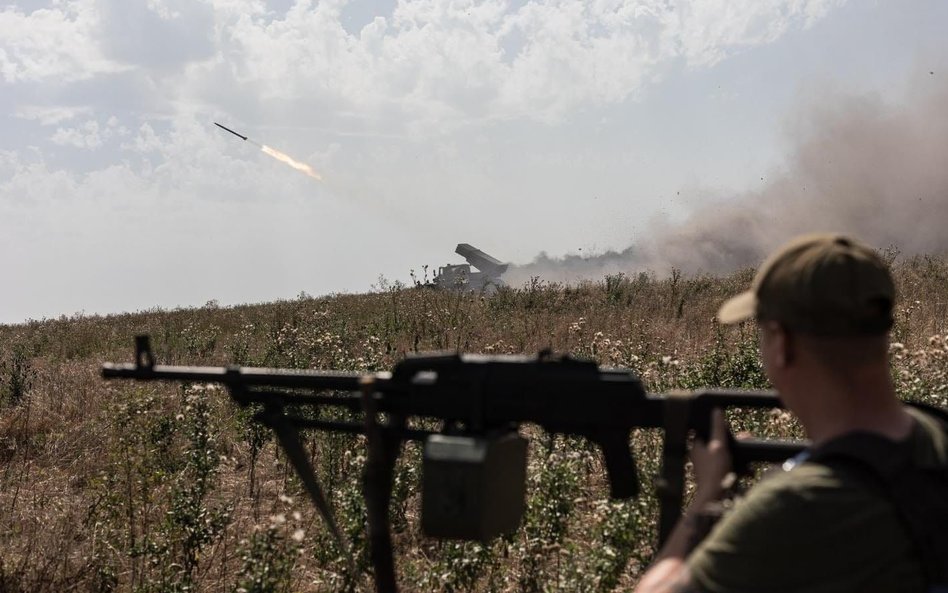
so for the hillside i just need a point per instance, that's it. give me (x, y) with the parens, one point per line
(125, 487)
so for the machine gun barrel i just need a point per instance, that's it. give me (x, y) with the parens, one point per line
(249, 376)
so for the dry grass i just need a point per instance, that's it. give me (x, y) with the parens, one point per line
(152, 488)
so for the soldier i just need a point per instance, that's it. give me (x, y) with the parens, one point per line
(866, 507)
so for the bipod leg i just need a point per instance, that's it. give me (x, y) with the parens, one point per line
(383, 450)
(291, 443)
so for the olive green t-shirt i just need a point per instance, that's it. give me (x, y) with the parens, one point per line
(816, 529)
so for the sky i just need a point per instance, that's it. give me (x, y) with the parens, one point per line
(571, 138)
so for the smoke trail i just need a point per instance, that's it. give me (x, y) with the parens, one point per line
(281, 156)
(859, 166)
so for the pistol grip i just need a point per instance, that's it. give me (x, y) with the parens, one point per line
(740, 463)
(623, 480)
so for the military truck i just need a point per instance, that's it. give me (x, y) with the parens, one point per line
(486, 277)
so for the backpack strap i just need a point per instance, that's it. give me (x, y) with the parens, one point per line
(919, 493)
(933, 411)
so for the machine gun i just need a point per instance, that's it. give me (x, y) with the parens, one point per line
(474, 466)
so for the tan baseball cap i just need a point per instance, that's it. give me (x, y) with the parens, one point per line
(825, 284)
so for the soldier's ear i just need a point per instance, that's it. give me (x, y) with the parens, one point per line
(788, 346)
(779, 344)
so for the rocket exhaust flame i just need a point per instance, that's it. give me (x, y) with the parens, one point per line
(280, 156)
(303, 167)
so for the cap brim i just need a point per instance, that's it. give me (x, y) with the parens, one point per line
(739, 308)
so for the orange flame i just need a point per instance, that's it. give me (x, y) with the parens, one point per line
(291, 162)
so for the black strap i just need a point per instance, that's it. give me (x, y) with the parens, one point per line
(932, 410)
(919, 493)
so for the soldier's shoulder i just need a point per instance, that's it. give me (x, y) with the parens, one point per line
(807, 484)
(930, 437)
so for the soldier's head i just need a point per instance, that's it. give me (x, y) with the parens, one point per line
(823, 304)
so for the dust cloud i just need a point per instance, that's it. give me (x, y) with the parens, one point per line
(859, 165)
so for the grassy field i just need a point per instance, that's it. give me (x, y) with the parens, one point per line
(144, 487)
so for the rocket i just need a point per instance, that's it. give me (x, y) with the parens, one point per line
(278, 155)
(242, 137)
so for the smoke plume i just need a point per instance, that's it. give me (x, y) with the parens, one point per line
(859, 165)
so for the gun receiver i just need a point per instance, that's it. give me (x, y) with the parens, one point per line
(474, 468)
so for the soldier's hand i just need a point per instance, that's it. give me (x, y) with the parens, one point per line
(712, 460)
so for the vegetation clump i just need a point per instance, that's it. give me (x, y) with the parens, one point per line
(123, 487)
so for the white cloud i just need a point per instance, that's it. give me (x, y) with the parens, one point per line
(57, 43)
(453, 60)
(158, 36)
(49, 115)
(164, 9)
(436, 64)
(145, 141)
(84, 136)
(90, 134)
(707, 30)
(29, 182)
